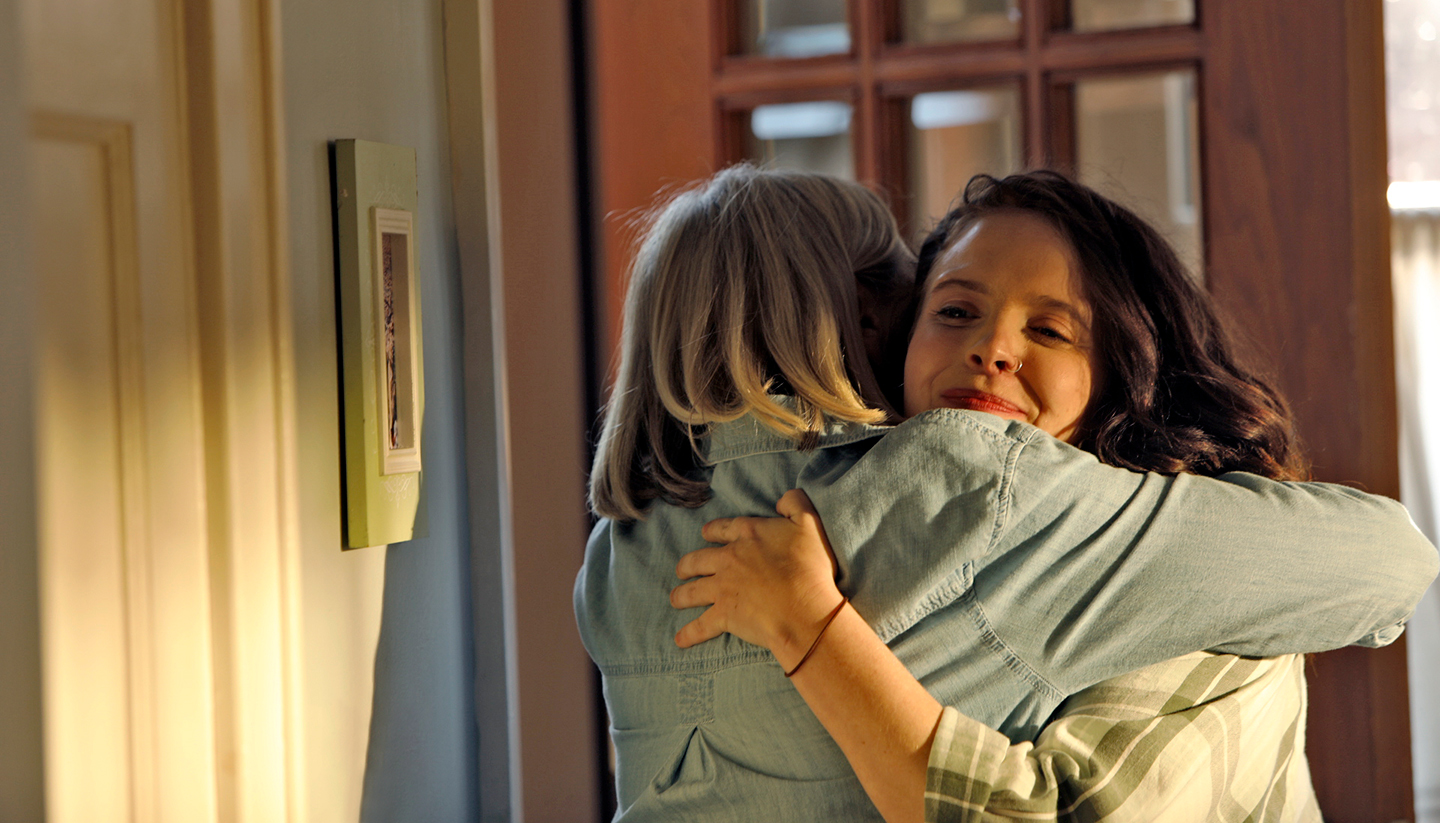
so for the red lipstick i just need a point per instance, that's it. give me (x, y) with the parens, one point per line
(976, 400)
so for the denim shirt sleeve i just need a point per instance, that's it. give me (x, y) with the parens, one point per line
(1101, 570)
(908, 518)
(1085, 571)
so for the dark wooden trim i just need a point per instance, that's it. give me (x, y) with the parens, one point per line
(957, 51)
(731, 128)
(746, 101)
(1036, 18)
(740, 76)
(1294, 173)
(890, 12)
(1070, 53)
(1057, 13)
(1103, 50)
(1070, 76)
(724, 30)
(867, 142)
(910, 88)
(892, 171)
(1059, 126)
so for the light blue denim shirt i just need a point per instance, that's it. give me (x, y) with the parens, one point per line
(1005, 568)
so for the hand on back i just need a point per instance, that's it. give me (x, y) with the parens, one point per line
(771, 583)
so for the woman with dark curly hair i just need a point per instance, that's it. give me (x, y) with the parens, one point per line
(1043, 302)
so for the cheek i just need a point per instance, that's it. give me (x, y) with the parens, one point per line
(918, 359)
(1069, 389)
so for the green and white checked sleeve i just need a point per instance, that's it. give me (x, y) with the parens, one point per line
(1203, 737)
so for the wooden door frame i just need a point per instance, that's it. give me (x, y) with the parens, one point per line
(514, 177)
(1282, 86)
(1292, 102)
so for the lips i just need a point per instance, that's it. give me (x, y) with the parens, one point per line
(976, 400)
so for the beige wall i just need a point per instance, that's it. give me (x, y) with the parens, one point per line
(387, 656)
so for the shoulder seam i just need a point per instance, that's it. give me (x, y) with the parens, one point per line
(1012, 661)
(1006, 491)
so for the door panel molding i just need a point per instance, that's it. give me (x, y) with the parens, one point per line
(212, 651)
(73, 147)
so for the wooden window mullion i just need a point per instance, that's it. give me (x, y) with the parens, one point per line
(868, 33)
(1059, 126)
(1035, 23)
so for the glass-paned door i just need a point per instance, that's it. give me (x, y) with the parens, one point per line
(927, 93)
(1251, 131)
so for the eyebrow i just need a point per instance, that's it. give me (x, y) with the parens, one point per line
(1044, 302)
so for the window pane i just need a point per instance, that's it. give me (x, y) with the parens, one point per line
(955, 135)
(1105, 15)
(950, 21)
(1412, 89)
(807, 136)
(1136, 140)
(794, 28)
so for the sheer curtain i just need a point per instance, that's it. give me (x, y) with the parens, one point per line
(1415, 267)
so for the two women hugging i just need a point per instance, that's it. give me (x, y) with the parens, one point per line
(1045, 546)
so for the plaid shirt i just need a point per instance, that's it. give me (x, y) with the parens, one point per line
(1204, 737)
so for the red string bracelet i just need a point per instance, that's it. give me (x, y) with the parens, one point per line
(828, 621)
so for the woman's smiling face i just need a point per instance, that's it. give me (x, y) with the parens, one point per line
(1004, 328)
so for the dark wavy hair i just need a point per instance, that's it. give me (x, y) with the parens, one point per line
(1173, 397)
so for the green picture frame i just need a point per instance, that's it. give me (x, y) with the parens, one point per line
(382, 359)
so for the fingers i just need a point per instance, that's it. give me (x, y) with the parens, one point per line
(698, 630)
(795, 502)
(795, 505)
(699, 563)
(734, 529)
(724, 530)
(699, 592)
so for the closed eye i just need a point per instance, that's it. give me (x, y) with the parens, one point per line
(955, 313)
(1051, 334)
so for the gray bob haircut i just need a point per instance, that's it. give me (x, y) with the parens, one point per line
(743, 287)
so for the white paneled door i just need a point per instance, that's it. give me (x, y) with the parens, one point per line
(164, 652)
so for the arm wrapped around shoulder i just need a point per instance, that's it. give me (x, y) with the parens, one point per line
(1089, 570)
(1107, 565)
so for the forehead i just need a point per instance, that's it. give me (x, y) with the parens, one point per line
(1014, 251)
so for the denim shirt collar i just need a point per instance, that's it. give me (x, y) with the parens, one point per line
(748, 436)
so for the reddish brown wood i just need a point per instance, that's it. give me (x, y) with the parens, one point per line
(732, 125)
(890, 13)
(1057, 14)
(746, 100)
(867, 37)
(757, 76)
(654, 122)
(725, 29)
(964, 62)
(1097, 51)
(947, 82)
(1059, 125)
(1035, 21)
(1294, 201)
(893, 174)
